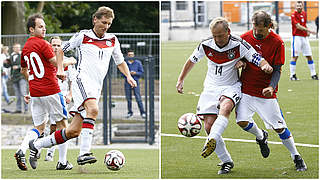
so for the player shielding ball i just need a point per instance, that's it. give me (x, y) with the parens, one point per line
(222, 88)
(259, 89)
(96, 48)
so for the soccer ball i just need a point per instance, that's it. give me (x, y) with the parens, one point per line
(189, 125)
(114, 160)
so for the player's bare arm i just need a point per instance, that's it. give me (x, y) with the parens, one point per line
(185, 70)
(24, 72)
(60, 72)
(123, 67)
(69, 61)
(299, 26)
(265, 66)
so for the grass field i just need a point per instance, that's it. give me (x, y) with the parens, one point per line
(180, 157)
(138, 162)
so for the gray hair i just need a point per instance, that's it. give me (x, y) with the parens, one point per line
(219, 20)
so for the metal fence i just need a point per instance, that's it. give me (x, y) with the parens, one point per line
(146, 47)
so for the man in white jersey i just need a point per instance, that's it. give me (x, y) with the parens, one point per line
(222, 88)
(95, 48)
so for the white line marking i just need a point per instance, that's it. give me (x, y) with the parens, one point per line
(239, 140)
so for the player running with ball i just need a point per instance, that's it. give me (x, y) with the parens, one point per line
(222, 88)
(96, 48)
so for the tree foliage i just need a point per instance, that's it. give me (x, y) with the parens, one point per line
(72, 16)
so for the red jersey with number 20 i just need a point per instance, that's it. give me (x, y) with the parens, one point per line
(42, 74)
(271, 48)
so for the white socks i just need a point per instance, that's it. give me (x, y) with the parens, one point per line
(85, 140)
(63, 148)
(218, 127)
(31, 134)
(289, 144)
(222, 151)
(253, 129)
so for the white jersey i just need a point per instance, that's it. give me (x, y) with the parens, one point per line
(70, 75)
(94, 54)
(221, 61)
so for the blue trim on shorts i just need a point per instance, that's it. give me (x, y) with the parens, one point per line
(248, 127)
(63, 105)
(36, 130)
(310, 62)
(285, 135)
(293, 63)
(293, 55)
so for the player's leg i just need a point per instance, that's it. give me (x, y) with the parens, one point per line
(306, 51)
(23, 88)
(51, 151)
(17, 93)
(245, 111)
(39, 119)
(128, 92)
(63, 163)
(92, 109)
(295, 50)
(219, 146)
(288, 141)
(137, 95)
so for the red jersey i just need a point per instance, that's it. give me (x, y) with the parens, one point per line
(253, 79)
(42, 74)
(300, 18)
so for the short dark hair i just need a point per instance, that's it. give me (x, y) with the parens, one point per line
(130, 50)
(32, 21)
(262, 17)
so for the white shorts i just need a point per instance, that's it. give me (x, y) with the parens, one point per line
(209, 98)
(52, 106)
(268, 110)
(300, 44)
(83, 90)
(68, 115)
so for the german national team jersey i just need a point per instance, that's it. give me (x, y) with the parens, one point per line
(42, 74)
(221, 61)
(300, 18)
(253, 79)
(94, 54)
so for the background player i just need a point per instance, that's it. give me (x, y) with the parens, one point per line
(44, 89)
(65, 87)
(96, 47)
(222, 89)
(259, 89)
(300, 42)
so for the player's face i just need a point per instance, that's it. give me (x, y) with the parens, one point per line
(260, 32)
(220, 35)
(299, 7)
(40, 28)
(56, 44)
(101, 25)
(130, 54)
(16, 48)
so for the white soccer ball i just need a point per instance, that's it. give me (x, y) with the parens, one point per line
(114, 160)
(189, 125)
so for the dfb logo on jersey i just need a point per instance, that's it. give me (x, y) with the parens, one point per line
(108, 43)
(231, 54)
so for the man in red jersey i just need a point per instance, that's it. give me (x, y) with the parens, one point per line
(300, 42)
(259, 89)
(38, 65)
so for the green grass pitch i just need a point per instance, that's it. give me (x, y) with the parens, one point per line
(140, 164)
(180, 157)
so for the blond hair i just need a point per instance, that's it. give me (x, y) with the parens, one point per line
(219, 20)
(104, 11)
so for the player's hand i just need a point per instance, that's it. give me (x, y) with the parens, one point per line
(72, 60)
(268, 91)
(27, 98)
(267, 68)
(179, 86)
(133, 72)
(132, 82)
(68, 99)
(241, 64)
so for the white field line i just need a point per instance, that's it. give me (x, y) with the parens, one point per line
(239, 140)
